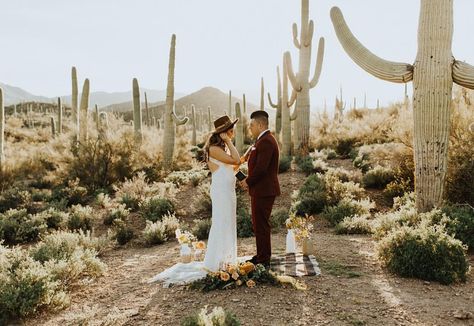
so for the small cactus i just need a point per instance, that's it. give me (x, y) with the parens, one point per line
(74, 96)
(84, 116)
(97, 117)
(137, 112)
(277, 105)
(60, 117)
(148, 121)
(53, 127)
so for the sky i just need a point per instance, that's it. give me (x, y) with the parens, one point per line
(228, 44)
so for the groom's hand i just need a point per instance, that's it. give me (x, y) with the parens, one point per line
(244, 184)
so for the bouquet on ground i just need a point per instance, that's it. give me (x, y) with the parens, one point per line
(199, 249)
(232, 276)
(302, 226)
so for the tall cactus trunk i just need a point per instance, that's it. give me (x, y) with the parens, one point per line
(137, 113)
(97, 117)
(285, 105)
(2, 131)
(432, 84)
(277, 106)
(74, 96)
(60, 116)
(230, 104)
(148, 121)
(239, 132)
(170, 118)
(84, 112)
(53, 127)
(193, 117)
(262, 95)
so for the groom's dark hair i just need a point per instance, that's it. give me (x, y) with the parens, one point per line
(260, 116)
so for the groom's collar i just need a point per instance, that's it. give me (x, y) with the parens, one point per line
(262, 133)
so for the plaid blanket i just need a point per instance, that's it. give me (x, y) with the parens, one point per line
(295, 265)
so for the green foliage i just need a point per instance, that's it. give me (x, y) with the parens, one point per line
(80, 218)
(123, 232)
(278, 218)
(285, 164)
(378, 177)
(461, 224)
(357, 224)
(424, 252)
(117, 213)
(202, 228)
(244, 223)
(218, 317)
(17, 226)
(311, 198)
(344, 146)
(15, 198)
(335, 214)
(305, 164)
(155, 208)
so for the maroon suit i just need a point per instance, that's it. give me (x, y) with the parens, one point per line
(263, 188)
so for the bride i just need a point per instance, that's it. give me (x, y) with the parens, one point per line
(223, 159)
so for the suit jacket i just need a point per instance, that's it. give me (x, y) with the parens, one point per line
(263, 166)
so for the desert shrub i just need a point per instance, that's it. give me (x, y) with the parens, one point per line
(356, 224)
(130, 202)
(41, 195)
(378, 177)
(17, 226)
(278, 218)
(312, 197)
(337, 190)
(305, 164)
(424, 252)
(202, 201)
(193, 176)
(461, 224)
(116, 213)
(330, 154)
(15, 198)
(285, 164)
(341, 174)
(217, 317)
(73, 193)
(460, 176)
(397, 188)
(80, 218)
(319, 166)
(160, 231)
(155, 208)
(346, 208)
(202, 228)
(123, 232)
(244, 223)
(344, 146)
(54, 218)
(362, 162)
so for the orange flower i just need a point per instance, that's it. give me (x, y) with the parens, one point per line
(235, 275)
(250, 283)
(231, 269)
(225, 276)
(248, 267)
(200, 245)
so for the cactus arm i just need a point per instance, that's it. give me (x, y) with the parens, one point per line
(176, 119)
(319, 64)
(309, 34)
(291, 75)
(463, 74)
(273, 105)
(295, 36)
(386, 70)
(294, 115)
(292, 98)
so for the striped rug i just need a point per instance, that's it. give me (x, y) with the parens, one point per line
(295, 265)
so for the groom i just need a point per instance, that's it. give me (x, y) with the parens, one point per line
(262, 183)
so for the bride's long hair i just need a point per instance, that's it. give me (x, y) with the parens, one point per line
(212, 140)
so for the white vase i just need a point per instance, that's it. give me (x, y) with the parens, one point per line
(185, 253)
(290, 242)
(198, 254)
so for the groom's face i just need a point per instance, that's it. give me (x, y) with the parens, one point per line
(255, 128)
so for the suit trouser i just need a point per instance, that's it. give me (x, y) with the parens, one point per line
(261, 212)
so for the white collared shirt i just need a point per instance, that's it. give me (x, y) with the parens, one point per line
(261, 134)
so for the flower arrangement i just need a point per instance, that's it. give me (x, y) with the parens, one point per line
(184, 237)
(232, 276)
(302, 226)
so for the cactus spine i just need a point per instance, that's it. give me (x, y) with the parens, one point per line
(137, 112)
(2, 131)
(60, 116)
(171, 120)
(239, 133)
(433, 74)
(84, 116)
(193, 116)
(301, 82)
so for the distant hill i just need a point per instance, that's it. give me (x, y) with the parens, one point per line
(14, 95)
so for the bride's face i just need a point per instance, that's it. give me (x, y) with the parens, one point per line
(230, 133)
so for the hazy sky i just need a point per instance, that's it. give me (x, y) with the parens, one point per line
(221, 43)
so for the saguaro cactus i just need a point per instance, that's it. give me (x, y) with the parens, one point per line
(230, 104)
(137, 112)
(97, 117)
(171, 120)
(74, 95)
(2, 130)
(433, 74)
(277, 105)
(84, 116)
(60, 116)
(262, 95)
(286, 118)
(193, 117)
(301, 82)
(53, 127)
(148, 121)
(239, 131)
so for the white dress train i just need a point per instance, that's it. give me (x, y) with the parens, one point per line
(222, 242)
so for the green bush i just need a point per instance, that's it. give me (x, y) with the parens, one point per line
(460, 176)
(15, 198)
(285, 164)
(80, 218)
(378, 177)
(73, 193)
(155, 208)
(356, 224)
(202, 201)
(312, 197)
(345, 208)
(54, 218)
(244, 223)
(123, 233)
(202, 228)
(462, 223)
(424, 252)
(117, 213)
(305, 164)
(17, 226)
(344, 146)
(130, 202)
(362, 162)
(278, 218)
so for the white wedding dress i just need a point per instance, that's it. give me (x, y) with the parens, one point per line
(222, 242)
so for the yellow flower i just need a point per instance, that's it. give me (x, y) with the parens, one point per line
(235, 275)
(225, 276)
(250, 283)
(238, 282)
(231, 269)
(182, 238)
(248, 267)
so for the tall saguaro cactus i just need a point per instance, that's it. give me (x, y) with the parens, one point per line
(277, 105)
(74, 95)
(230, 104)
(193, 116)
(301, 82)
(84, 112)
(2, 130)
(239, 132)
(262, 95)
(148, 121)
(60, 116)
(286, 117)
(171, 120)
(433, 74)
(137, 112)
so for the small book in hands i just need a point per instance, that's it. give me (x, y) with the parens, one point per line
(240, 175)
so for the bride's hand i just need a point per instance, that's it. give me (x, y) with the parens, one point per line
(224, 136)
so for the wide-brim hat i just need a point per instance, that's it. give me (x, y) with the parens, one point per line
(223, 124)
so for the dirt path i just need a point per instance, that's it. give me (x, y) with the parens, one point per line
(352, 290)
